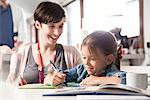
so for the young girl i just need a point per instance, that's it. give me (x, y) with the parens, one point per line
(99, 51)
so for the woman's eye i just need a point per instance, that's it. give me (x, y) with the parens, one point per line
(61, 26)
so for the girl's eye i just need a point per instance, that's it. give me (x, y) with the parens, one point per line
(93, 59)
(84, 57)
(51, 26)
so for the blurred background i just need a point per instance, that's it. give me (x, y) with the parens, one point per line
(127, 19)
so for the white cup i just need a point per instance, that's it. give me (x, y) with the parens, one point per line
(137, 80)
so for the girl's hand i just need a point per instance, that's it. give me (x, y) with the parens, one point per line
(55, 78)
(91, 80)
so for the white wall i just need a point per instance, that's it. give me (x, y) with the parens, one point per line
(74, 30)
(30, 5)
(147, 27)
(27, 5)
(146, 22)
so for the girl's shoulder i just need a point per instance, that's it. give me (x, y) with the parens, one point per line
(113, 71)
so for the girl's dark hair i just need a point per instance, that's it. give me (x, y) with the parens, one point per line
(101, 41)
(105, 42)
(48, 12)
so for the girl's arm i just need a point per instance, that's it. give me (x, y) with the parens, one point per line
(111, 78)
(95, 80)
(56, 78)
(76, 74)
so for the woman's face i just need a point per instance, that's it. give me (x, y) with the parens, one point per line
(94, 63)
(52, 31)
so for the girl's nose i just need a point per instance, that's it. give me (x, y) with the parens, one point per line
(86, 61)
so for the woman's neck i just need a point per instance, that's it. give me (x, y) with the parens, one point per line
(47, 48)
(47, 52)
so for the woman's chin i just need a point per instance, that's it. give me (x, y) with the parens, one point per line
(52, 42)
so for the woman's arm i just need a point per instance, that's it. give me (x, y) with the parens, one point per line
(17, 63)
(14, 68)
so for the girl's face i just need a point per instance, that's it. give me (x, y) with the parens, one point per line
(94, 63)
(52, 31)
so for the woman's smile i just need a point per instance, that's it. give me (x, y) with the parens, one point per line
(53, 37)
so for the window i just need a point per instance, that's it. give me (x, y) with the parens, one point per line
(74, 29)
(108, 14)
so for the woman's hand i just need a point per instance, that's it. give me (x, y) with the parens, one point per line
(22, 81)
(55, 78)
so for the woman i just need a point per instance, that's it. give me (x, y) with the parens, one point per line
(49, 20)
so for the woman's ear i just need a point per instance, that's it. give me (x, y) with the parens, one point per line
(109, 59)
(37, 24)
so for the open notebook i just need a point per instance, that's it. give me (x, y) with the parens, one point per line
(104, 89)
(38, 86)
(47, 86)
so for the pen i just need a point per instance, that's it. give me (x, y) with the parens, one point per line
(54, 67)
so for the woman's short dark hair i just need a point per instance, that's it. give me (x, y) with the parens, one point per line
(48, 12)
